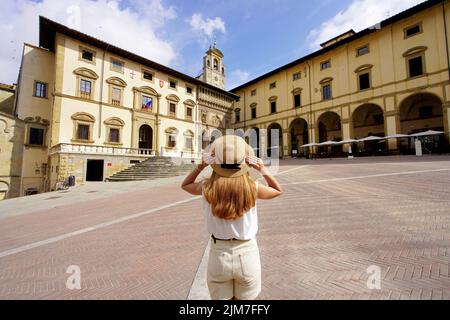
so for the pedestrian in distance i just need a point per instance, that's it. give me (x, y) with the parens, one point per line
(229, 203)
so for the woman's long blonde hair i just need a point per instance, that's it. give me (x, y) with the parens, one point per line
(230, 198)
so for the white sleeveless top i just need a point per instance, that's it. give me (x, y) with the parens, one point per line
(244, 228)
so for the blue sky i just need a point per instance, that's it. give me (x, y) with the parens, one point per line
(256, 36)
(260, 35)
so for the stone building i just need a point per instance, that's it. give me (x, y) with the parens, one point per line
(11, 141)
(392, 78)
(91, 109)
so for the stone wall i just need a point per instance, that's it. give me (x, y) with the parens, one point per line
(11, 148)
(67, 164)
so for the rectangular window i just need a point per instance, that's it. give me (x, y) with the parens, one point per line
(362, 51)
(297, 101)
(87, 55)
(364, 81)
(253, 113)
(188, 143)
(325, 65)
(411, 31)
(415, 67)
(253, 93)
(172, 84)
(296, 76)
(238, 115)
(189, 90)
(426, 112)
(40, 89)
(147, 76)
(172, 141)
(189, 113)
(326, 92)
(83, 132)
(36, 137)
(272, 85)
(273, 107)
(117, 65)
(85, 88)
(172, 109)
(115, 96)
(147, 103)
(114, 135)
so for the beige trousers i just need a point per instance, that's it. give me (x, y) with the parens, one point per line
(234, 270)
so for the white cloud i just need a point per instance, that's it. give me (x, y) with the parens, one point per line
(133, 28)
(237, 77)
(359, 15)
(208, 26)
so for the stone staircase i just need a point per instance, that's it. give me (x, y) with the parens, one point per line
(152, 169)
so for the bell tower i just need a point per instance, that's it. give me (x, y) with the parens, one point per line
(213, 67)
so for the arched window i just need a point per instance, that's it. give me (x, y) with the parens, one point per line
(171, 134)
(297, 97)
(82, 127)
(145, 98)
(114, 127)
(273, 104)
(172, 102)
(189, 105)
(85, 83)
(326, 88)
(237, 115)
(116, 86)
(216, 64)
(415, 61)
(188, 140)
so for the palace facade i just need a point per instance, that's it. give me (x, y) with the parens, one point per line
(90, 109)
(392, 78)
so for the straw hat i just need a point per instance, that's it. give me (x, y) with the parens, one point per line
(230, 152)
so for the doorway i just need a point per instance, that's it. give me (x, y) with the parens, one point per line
(145, 137)
(94, 170)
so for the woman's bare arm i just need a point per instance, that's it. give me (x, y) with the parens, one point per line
(189, 185)
(273, 189)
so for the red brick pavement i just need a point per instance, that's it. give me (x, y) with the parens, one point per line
(316, 241)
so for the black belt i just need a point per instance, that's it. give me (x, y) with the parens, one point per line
(215, 239)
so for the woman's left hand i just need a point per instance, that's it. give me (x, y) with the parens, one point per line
(207, 159)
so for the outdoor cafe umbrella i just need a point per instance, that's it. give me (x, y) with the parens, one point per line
(370, 138)
(347, 141)
(309, 145)
(426, 133)
(328, 143)
(396, 136)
